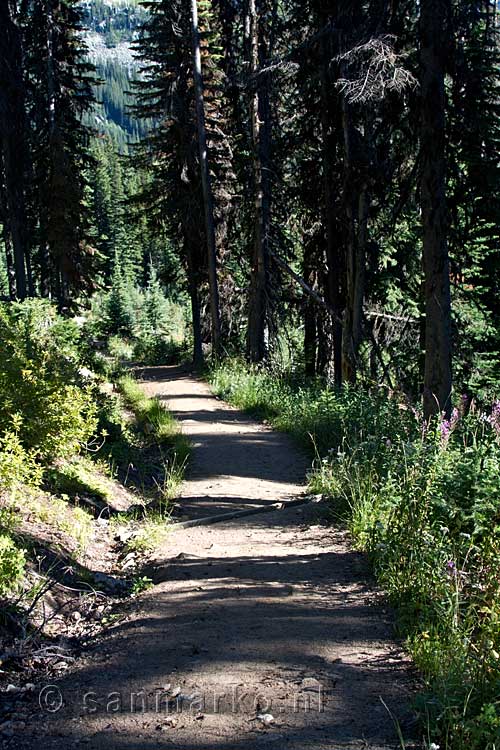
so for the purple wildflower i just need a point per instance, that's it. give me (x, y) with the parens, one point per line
(448, 425)
(445, 428)
(451, 567)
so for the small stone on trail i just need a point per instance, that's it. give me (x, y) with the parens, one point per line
(266, 719)
(169, 723)
(123, 535)
(12, 689)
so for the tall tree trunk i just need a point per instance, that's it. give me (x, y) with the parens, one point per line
(13, 139)
(310, 313)
(356, 275)
(29, 276)
(434, 20)
(334, 244)
(6, 236)
(208, 201)
(9, 258)
(260, 116)
(198, 359)
(356, 208)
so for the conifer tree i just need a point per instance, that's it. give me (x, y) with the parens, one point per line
(60, 82)
(173, 198)
(13, 143)
(176, 198)
(206, 180)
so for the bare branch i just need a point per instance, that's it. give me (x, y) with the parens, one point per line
(376, 70)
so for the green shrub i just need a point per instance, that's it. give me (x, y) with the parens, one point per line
(157, 350)
(17, 465)
(40, 383)
(82, 476)
(12, 563)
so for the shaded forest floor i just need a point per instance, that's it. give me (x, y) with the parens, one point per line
(271, 615)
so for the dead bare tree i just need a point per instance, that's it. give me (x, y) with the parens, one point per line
(368, 72)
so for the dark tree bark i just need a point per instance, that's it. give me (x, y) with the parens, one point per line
(310, 314)
(260, 115)
(434, 19)
(198, 359)
(13, 139)
(355, 219)
(208, 201)
(6, 236)
(334, 241)
(9, 255)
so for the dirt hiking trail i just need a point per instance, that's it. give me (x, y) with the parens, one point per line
(270, 615)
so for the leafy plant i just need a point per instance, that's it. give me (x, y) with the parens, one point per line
(12, 563)
(140, 584)
(40, 382)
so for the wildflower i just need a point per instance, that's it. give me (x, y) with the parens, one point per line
(450, 567)
(445, 429)
(448, 425)
(425, 429)
(433, 746)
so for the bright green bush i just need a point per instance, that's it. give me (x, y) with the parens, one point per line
(40, 384)
(12, 562)
(17, 465)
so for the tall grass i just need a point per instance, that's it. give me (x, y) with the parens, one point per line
(424, 502)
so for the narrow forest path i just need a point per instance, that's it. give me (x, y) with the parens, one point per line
(236, 462)
(266, 614)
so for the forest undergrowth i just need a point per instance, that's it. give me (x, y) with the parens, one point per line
(423, 501)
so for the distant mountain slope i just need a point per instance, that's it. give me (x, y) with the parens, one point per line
(112, 27)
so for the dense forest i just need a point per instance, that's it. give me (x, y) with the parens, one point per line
(304, 198)
(322, 202)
